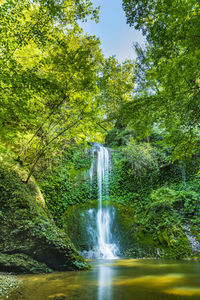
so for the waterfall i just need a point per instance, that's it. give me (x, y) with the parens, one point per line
(105, 247)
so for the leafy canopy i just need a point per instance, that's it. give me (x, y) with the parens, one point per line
(168, 74)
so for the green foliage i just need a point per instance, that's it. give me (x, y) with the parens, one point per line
(167, 72)
(80, 265)
(56, 86)
(57, 91)
(48, 79)
(161, 225)
(63, 183)
(116, 85)
(146, 180)
(79, 157)
(186, 199)
(169, 210)
(141, 156)
(117, 137)
(137, 168)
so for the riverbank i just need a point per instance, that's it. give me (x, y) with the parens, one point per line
(9, 285)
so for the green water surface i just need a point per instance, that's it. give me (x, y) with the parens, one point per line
(123, 279)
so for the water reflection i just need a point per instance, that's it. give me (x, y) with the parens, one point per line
(150, 280)
(184, 291)
(118, 280)
(106, 275)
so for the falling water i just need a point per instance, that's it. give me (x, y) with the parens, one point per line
(105, 247)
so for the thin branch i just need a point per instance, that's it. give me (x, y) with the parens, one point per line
(41, 126)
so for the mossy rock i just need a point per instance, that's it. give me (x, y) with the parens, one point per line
(20, 263)
(27, 229)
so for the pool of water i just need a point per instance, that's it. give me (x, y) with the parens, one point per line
(123, 279)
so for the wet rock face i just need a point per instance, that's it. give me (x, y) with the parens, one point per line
(193, 241)
(29, 240)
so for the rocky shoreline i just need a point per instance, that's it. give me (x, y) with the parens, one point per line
(9, 285)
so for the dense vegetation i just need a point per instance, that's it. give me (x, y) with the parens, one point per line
(162, 194)
(58, 92)
(167, 71)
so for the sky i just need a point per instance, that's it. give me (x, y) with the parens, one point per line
(116, 36)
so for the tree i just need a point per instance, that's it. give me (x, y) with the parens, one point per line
(116, 83)
(48, 76)
(168, 69)
(30, 26)
(70, 114)
(141, 156)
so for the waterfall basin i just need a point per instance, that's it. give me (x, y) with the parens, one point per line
(120, 279)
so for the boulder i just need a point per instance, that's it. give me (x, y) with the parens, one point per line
(30, 242)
